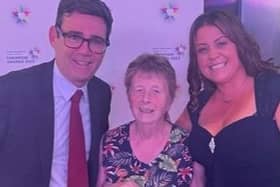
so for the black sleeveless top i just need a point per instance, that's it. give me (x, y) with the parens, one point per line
(247, 152)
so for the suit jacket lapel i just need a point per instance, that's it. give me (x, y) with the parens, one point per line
(46, 113)
(95, 109)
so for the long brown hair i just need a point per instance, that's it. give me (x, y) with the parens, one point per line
(247, 48)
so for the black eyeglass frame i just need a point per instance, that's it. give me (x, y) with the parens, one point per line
(66, 36)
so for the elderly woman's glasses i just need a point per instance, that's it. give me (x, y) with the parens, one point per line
(75, 40)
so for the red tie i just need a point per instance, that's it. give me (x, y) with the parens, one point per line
(77, 164)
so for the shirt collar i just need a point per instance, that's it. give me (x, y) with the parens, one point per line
(63, 87)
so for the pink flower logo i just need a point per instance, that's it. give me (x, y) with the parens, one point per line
(35, 52)
(169, 12)
(180, 49)
(21, 14)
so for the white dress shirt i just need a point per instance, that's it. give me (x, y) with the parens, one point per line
(63, 90)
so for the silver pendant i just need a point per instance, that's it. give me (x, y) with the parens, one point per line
(212, 145)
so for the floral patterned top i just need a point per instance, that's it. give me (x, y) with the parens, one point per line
(172, 167)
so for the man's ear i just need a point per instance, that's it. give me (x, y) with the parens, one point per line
(53, 35)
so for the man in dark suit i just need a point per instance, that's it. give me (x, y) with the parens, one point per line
(35, 103)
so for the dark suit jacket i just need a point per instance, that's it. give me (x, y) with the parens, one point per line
(27, 125)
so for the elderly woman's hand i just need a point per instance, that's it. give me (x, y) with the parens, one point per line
(122, 184)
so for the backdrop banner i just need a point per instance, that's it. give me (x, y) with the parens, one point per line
(158, 26)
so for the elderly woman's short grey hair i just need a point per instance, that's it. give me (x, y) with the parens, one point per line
(152, 63)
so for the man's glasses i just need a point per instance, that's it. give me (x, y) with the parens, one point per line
(75, 40)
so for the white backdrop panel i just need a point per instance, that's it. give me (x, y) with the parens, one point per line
(139, 26)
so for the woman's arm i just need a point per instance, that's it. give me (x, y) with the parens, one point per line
(184, 120)
(277, 116)
(101, 169)
(198, 179)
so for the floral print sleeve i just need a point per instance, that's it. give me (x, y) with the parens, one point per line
(172, 167)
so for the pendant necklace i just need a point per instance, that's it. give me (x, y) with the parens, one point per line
(212, 145)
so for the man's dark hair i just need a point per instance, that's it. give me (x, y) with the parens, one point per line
(90, 7)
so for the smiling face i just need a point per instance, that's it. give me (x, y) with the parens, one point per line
(217, 56)
(78, 65)
(149, 98)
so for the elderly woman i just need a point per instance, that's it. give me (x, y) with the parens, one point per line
(149, 151)
(234, 110)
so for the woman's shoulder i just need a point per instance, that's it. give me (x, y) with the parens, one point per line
(268, 78)
(202, 97)
(267, 91)
(120, 130)
(177, 127)
(179, 133)
(268, 82)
